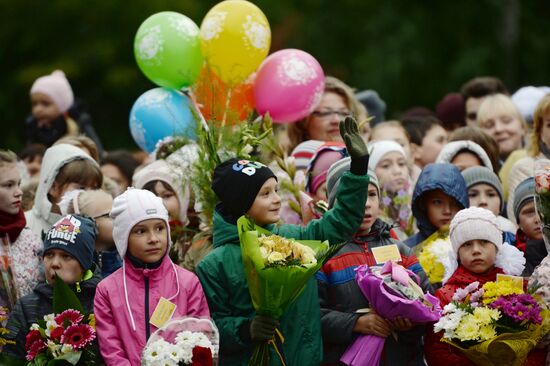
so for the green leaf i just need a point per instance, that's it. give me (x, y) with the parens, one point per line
(64, 298)
(11, 361)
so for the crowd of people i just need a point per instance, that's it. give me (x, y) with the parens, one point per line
(124, 228)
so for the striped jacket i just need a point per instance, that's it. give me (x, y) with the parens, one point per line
(340, 298)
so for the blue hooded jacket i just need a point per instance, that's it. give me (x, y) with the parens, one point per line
(443, 176)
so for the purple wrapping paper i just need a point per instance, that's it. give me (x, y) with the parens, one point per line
(367, 349)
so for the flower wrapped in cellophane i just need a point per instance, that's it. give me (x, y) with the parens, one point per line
(432, 253)
(497, 324)
(184, 341)
(391, 291)
(66, 336)
(277, 270)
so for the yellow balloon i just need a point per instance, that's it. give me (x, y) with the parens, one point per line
(235, 38)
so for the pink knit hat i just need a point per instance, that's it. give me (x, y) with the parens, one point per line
(57, 87)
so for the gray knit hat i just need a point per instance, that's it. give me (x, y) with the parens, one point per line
(334, 174)
(524, 192)
(451, 149)
(480, 174)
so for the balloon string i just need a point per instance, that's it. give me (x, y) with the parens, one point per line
(227, 100)
(193, 99)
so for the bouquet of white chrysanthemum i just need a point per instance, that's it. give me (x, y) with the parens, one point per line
(187, 341)
(432, 253)
(495, 324)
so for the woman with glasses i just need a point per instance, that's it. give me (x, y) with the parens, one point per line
(338, 101)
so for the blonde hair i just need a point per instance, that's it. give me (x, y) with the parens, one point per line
(395, 124)
(82, 142)
(7, 157)
(297, 132)
(498, 104)
(538, 116)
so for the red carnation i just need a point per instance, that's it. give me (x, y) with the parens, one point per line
(202, 356)
(32, 337)
(57, 333)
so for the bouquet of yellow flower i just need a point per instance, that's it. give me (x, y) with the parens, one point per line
(497, 324)
(277, 270)
(432, 253)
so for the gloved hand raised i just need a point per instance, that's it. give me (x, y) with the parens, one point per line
(262, 328)
(357, 148)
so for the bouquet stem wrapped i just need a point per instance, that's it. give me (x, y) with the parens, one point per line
(391, 291)
(277, 270)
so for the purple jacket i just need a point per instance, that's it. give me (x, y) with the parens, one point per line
(119, 307)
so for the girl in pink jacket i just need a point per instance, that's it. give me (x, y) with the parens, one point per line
(126, 300)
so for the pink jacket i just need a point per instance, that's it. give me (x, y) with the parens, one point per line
(119, 307)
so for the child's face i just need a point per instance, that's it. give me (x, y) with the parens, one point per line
(44, 109)
(392, 133)
(33, 165)
(169, 199)
(65, 265)
(266, 206)
(104, 222)
(321, 193)
(10, 189)
(432, 143)
(440, 208)
(465, 160)
(372, 210)
(113, 172)
(392, 171)
(485, 196)
(148, 240)
(478, 256)
(529, 221)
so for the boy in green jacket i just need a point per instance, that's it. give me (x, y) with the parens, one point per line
(246, 187)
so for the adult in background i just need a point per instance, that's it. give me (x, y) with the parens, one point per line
(475, 90)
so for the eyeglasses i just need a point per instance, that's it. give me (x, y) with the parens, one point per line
(329, 113)
(100, 216)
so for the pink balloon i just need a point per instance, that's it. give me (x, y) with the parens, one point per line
(289, 84)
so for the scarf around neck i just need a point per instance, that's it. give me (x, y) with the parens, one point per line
(12, 225)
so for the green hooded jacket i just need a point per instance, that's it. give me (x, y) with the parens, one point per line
(222, 276)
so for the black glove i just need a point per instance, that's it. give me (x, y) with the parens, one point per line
(262, 328)
(357, 148)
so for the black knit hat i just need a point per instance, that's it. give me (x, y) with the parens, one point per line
(237, 182)
(75, 235)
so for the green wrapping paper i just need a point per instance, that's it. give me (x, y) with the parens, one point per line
(273, 289)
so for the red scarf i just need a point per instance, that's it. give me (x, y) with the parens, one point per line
(12, 225)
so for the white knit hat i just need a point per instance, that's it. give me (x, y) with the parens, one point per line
(474, 223)
(451, 149)
(131, 207)
(380, 148)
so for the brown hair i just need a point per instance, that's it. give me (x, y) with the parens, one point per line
(483, 139)
(297, 132)
(82, 142)
(82, 171)
(482, 86)
(150, 186)
(542, 108)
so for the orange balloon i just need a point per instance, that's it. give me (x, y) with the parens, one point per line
(220, 104)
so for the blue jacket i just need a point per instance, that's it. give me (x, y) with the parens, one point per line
(448, 179)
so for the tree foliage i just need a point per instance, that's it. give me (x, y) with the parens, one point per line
(411, 52)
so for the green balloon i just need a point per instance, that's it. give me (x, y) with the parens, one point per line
(168, 51)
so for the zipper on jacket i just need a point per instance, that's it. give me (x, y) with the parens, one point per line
(147, 329)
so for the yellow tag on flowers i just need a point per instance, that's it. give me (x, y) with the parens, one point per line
(517, 282)
(386, 253)
(163, 312)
